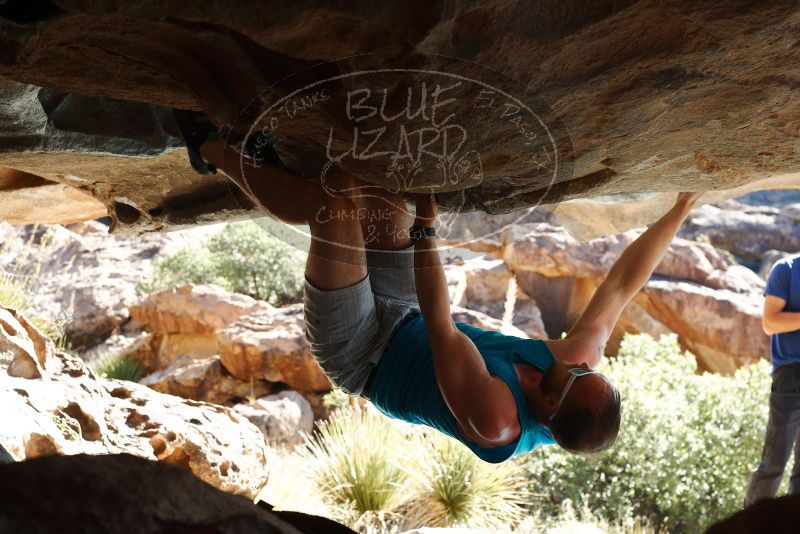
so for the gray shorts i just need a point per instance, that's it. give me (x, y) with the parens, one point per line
(349, 328)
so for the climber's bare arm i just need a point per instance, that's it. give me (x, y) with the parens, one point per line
(586, 341)
(477, 400)
(777, 321)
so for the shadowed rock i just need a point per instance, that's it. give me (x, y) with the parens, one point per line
(124, 494)
(776, 516)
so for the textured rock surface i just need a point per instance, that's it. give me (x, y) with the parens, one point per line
(746, 231)
(283, 418)
(203, 379)
(67, 410)
(23, 349)
(193, 309)
(271, 345)
(81, 275)
(713, 303)
(692, 96)
(124, 494)
(29, 199)
(488, 286)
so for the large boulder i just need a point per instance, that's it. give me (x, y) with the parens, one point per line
(284, 418)
(694, 96)
(192, 309)
(183, 321)
(746, 231)
(271, 345)
(62, 408)
(203, 379)
(119, 493)
(699, 292)
(719, 326)
(487, 285)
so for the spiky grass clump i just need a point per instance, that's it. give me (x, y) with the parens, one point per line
(13, 294)
(356, 462)
(119, 367)
(457, 489)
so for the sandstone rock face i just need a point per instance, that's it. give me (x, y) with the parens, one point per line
(693, 97)
(746, 231)
(125, 494)
(203, 379)
(23, 349)
(27, 198)
(283, 418)
(271, 345)
(67, 410)
(84, 277)
(713, 303)
(183, 321)
(209, 344)
(721, 327)
(192, 309)
(488, 286)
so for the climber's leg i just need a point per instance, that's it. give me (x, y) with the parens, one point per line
(385, 218)
(336, 256)
(282, 195)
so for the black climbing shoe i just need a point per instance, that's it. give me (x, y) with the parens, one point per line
(196, 129)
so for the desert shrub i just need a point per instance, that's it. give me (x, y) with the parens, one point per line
(686, 448)
(355, 463)
(119, 367)
(457, 489)
(335, 399)
(16, 292)
(243, 258)
(380, 475)
(192, 264)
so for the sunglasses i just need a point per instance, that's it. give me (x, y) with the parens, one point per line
(574, 373)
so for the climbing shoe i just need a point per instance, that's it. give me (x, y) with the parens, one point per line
(196, 129)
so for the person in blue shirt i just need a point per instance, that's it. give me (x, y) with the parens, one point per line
(781, 321)
(379, 323)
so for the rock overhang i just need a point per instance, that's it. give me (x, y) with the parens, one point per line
(641, 97)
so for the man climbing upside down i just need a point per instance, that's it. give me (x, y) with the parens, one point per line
(378, 316)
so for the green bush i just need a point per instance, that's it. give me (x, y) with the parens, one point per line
(243, 258)
(119, 367)
(686, 448)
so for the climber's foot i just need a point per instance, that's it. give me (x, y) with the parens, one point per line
(196, 129)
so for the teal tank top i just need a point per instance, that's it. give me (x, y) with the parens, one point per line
(404, 386)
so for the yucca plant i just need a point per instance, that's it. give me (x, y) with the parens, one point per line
(456, 488)
(119, 367)
(355, 461)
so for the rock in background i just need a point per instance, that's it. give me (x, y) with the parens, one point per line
(51, 403)
(84, 277)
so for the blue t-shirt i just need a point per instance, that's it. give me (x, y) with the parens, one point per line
(405, 384)
(784, 283)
